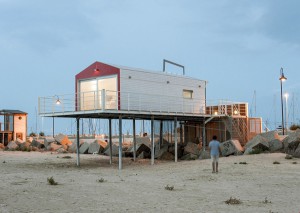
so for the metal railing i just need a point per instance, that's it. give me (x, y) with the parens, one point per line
(123, 101)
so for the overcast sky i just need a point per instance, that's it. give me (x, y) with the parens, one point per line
(238, 46)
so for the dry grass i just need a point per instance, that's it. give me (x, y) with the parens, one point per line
(170, 188)
(233, 201)
(51, 181)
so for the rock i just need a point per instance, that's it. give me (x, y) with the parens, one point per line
(24, 146)
(53, 147)
(97, 147)
(297, 152)
(159, 152)
(61, 150)
(19, 141)
(12, 145)
(48, 141)
(204, 155)
(115, 150)
(62, 139)
(180, 150)
(257, 143)
(189, 156)
(73, 147)
(191, 148)
(231, 147)
(84, 148)
(143, 140)
(140, 148)
(144, 155)
(271, 135)
(38, 144)
(291, 142)
(275, 145)
(1, 146)
(167, 156)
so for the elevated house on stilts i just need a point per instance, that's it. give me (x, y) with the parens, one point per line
(118, 92)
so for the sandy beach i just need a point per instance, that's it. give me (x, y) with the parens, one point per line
(260, 185)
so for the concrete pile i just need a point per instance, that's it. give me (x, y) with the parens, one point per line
(265, 142)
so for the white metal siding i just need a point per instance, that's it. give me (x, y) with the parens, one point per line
(158, 93)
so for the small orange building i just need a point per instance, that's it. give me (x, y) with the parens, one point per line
(13, 125)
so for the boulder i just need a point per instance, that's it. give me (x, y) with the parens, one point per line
(275, 145)
(180, 150)
(61, 150)
(19, 141)
(115, 150)
(291, 142)
(53, 147)
(144, 155)
(1, 146)
(37, 144)
(140, 148)
(159, 152)
(48, 141)
(257, 143)
(12, 145)
(73, 147)
(62, 139)
(24, 146)
(84, 148)
(189, 156)
(166, 156)
(231, 147)
(191, 148)
(271, 135)
(97, 147)
(204, 155)
(297, 152)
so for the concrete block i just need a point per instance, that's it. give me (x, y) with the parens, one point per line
(191, 148)
(115, 150)
(48, 141)
(84, 148)
(53, 147)
(12, 145)
(231, 147)
(189, 156)
(166, 156)
(275, 145)
(296, 154)
(97, 147)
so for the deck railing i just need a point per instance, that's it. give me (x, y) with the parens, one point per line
(111, 100)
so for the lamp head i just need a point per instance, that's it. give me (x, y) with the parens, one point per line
(282, 77)
(57, 100)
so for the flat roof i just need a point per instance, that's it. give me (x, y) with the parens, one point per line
(11, 111)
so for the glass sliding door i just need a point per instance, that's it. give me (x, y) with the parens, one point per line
(91, 93)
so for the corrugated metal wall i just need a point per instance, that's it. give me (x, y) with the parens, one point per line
(161, 91)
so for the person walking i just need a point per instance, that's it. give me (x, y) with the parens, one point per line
(215, 151)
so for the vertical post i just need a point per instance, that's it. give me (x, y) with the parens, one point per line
(110, 141)
(204, 135)
(175, 135)
(134, 140)
(152, 140)
(53, 127)
(103, 99)
(161, 133)
(77, 141)
(181, 134)
(120, 142)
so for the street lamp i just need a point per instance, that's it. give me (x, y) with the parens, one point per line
(282, 78)
(286, 95)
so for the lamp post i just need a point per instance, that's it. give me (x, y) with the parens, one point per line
(282, 78)
(286, 95)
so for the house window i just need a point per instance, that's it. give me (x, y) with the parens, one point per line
(188, 94)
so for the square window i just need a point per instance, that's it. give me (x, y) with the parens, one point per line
(188, 94)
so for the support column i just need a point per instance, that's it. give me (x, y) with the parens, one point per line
(77, 141)
(120, 142)
(134, 140)
(53, 127)
(181, 134)
(110, 140)
(161, 134)
(152, 140)
(175, 138)
(204, 136)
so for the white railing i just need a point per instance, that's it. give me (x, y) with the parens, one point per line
(94, 101)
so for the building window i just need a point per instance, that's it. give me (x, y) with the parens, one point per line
(188, 94)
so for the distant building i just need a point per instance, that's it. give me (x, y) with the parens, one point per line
(13, 125)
